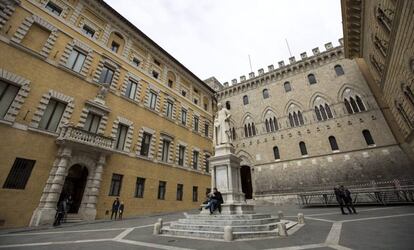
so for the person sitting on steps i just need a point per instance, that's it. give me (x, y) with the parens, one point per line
(216, 201)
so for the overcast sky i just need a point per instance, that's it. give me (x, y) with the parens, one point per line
(215, 37)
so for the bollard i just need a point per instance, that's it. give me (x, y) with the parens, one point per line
(280, 215)
(228, 233)
(281, 228)
(157, 228)
(301, 218)
(160, 221)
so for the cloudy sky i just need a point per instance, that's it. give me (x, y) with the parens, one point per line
(215, 37)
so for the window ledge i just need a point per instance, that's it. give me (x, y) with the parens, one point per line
(129, 99)
(77, 74)
(54, 134)
(372, 146)
(2, 121)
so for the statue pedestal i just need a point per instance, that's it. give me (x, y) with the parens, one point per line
(226, 178)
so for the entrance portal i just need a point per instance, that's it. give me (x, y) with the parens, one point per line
(246, 181)
(74, 186)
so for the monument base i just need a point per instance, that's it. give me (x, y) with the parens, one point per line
(237, 208)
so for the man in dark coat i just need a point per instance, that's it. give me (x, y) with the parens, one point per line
(339, 198)
(115, 208)
(348, 199)
(216, 201)
(121, 210)
(59, 213)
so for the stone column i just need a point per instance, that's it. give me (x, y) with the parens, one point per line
(46, 211)
(88, 211)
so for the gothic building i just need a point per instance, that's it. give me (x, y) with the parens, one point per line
(309, 125)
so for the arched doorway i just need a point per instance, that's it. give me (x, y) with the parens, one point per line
(74, 186)
(246, 181)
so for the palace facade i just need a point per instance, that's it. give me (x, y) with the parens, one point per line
(310, 125)
(93, 108)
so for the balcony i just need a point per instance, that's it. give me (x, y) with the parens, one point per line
(70, 134)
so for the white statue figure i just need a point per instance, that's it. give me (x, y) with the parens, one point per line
(222, 134)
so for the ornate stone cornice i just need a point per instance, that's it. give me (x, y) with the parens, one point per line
(352, 24)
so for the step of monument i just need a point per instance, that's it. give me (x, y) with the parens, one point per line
(228, 222)
(244, 228)
(228, 216)
(217, 235)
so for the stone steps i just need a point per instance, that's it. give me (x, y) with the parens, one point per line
(217, 228)
(217, 235)
(227, 217)
(228, 222)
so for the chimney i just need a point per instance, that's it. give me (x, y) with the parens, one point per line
(292, 60)
(315, 51)
(242, 78)
(270, 67)
(234, 81)
(261, 72)
(251, 74)
(303, 55)
(226, 84)
(328, 46)
(281, 64)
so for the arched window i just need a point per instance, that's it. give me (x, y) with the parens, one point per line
(233, 132)
(245, 100)
(246, 134)
(328, 111)
(408, 93)
(291, 120)
(295, 119)
(276, 153)
(348, 107)
(318, 114)
(253, 129)
(300, 118)
(323, 113)
(354, 105)
(267, 126)
(311, 79)
(404, 115)
(287, 86)
(339, 70)
(249, 128)
(228, 105)
(334, 144)
(368, 138)
(275, 123)
(360, 103)
(265, 93)
(303, 149)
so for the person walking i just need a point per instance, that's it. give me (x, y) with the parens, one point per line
(121, 210)
(115, 208)
(339, 199)
(348, 200)
(60, 212)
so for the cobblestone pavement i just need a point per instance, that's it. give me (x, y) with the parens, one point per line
(325, 228)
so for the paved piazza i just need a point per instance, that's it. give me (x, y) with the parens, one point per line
(325, 228)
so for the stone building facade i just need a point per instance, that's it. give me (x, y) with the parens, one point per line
(92, 107)
(309, 125)
(379, 35)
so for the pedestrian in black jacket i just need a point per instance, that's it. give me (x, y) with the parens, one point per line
(348, 199)
(340, 199)
(121, 210)
(115, 208)
(216, 201)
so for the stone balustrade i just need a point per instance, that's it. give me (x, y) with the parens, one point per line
(70, 133)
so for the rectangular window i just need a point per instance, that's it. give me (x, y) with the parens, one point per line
(170, 83)
(92, 122)
(19, 174)
(205, 106)
(162, 187)
(157, 62)
(52, 115)
(207, 164)
(131, 90)
(184, 117)
(195, 193)
(155, 74)
(52, 7)
(180, 190)
(136, 62)
(88, 31)
(152, 100)
(183, 93)
(206, 129)
(76, 60)
(165, 150)
(181, 154)
(116, 184)
(196, 121)
(106, 75)
(140, 187)
(195, 101)
(7, 94)
(169, 109)
(121, 137)
(145, 144)
(114, 46)
(195, 159)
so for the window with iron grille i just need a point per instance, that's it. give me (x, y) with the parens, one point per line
(52, 7)
(19, 174)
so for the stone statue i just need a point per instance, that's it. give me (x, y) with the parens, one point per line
(102, 92)
(222, 134)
